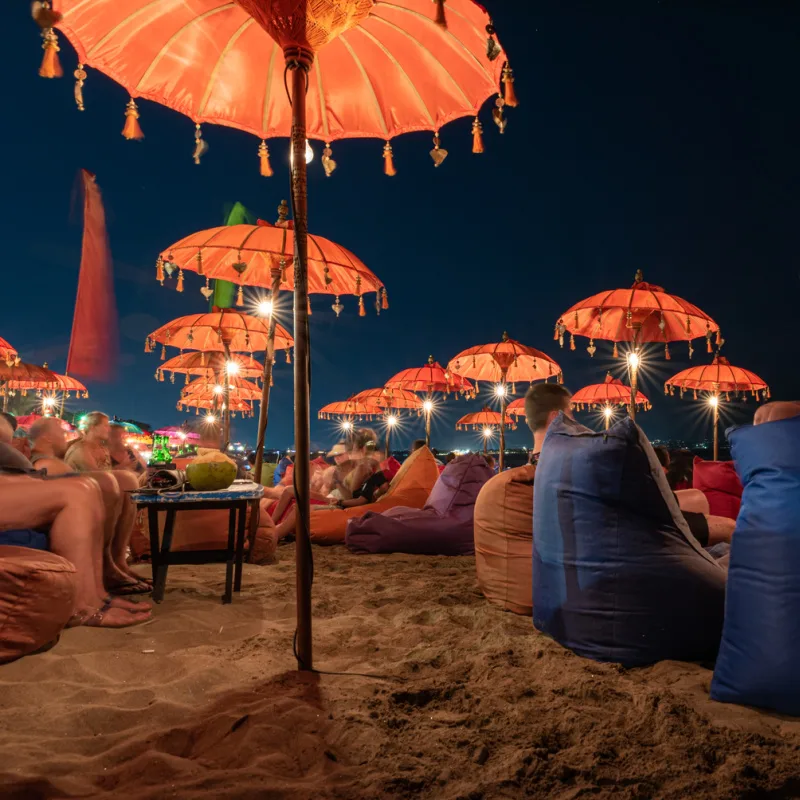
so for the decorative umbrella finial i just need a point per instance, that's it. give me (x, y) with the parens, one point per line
(639, 277)
(430, 361)
(283, 214)
(505, 336)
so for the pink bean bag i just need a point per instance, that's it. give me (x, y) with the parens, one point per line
(442, 527)
(37, 599)
(718, 481)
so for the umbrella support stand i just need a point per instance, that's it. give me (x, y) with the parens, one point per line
(263, 417)
(298, 63)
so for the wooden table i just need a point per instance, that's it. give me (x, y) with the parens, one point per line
(235, 498)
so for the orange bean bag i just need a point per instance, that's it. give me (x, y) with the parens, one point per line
(410, 488)
(504, 539)
(37, 598)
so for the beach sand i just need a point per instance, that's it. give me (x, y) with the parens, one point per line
(463, 700)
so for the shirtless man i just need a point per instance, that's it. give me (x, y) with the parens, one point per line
(49, 446)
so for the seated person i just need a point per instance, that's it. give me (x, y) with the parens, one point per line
(48, 453)
(123, 456)
(708, 529)
(71, 512)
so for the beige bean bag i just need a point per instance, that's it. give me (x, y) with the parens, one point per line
(504, 539)
(37, 599)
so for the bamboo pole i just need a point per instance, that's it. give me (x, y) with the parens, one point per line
(716, 426)
(299, 76)
(226, 424)
(633, 368)
(428, 411)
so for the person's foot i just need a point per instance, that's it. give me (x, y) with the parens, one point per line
(107, 617)
(129, 605)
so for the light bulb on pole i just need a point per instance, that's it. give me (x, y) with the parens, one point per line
(427, 407)
(210, 419)
(264, 308)
(634, 363)
(713, 402)
(391, 422)
(309, 154)
(232, 368)
(487, 433)
(608, 412)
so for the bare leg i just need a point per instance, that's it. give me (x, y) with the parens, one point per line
(283, 504)
(127, 482)
(720, 529)
(74, 510)
(692, 500)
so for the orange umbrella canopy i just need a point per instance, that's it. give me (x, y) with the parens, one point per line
(718, 376)
(349, 408)
(214, 404)
(611, 392)
(207, 365)
(506, 361)
(26, 376)
(7, 352)
(239, 389)
(398, 399)
(248, 254)
(482, 419)
(211, 331)
(386, 68)
(643, 313)
(433, 377)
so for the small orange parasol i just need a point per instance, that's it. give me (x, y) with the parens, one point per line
(238, 388)
(644, 313)
(390, 400)
(24, 377)
(350, 409)
(604, 396)
(486, 421)
(212, 404)
(209, 365)
(504, 362)
(8, 353)
(718, 379)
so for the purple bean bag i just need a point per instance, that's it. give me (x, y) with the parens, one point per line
(443, 527)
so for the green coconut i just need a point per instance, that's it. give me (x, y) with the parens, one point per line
(208, 476)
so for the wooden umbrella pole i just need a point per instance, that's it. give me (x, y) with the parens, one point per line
(428, 401)
(634, 371)
(716, 426)
(607, 415)
(226, 425)
(503, 402)
(302, 434)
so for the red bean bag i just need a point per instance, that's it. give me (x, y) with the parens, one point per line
(718, 481)
(37, 599)
(504, 539)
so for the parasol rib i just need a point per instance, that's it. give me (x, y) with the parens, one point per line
(162, 52)
(218, 65)
(268, 90)
(117, 27)
(365, 75)
(323, 111)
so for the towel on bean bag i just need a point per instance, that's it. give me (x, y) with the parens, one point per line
(444, 526)
(37, 599)
(410, 487)
(760, 651)
(617, 575)
(718, 481)
(504, 539)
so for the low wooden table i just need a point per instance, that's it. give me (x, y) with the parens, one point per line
(235, 498)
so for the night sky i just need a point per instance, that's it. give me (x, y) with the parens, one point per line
(665, 139)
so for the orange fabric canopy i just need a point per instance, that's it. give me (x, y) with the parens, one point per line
(241, 332)
(398, 399)
(505, 361)
(214, 404)
(207, 365)
(611, 392)
(644, 311)
(239, 389)
(247, 254)
(349, 408)
(482, 419)
(7, 352)
(718, 376)
(27, 376)
(214, 61)
(433, 377)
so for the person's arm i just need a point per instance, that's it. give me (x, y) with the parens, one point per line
(81, 459)
(54, 466)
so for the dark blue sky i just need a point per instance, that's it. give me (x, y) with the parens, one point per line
(665, 139)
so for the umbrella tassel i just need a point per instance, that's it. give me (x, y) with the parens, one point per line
(440, 19)
(147, 346)
(160, 270)
(361, 310)
(51, 65)
(328, 164)
(263, 156)
(384, 299)
(132, 130)
(240, 297)
(509, 95)
(388, 161)
(666, 353)
(309, 306)
(163, 352)
(200, 144)
(288, 356)
(572, 341)
(80, 79)
(179, 285)
(477, 136)
(615, 354)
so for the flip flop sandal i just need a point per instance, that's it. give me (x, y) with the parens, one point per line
(134, 587)
(93, 618)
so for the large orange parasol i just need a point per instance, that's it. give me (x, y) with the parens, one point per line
(390, 400)
(430, 379)
(8, 353)
(238, 388)
(350, 409)
(63, 384)
(351, 68)
(258, 255)
(23, 377)
(644, 313)
(719, 380)
(504, 362)
(209, 365)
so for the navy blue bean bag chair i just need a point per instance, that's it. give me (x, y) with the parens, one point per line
(759, 659)
(444, 526)
(617, 575)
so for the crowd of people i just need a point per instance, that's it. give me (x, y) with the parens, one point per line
(73, 499)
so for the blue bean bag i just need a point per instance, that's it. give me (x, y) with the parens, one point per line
(444, 526)
(617, 575)
(759, 659)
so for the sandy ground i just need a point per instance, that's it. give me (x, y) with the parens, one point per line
(462, 701)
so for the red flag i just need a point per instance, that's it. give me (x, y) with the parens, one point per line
(93, 344)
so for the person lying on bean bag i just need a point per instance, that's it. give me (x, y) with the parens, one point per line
(442, 527)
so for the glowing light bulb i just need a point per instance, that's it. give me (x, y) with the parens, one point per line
(48, 402)
(633, 360)
(218, 390)
(309, 153)
(500, 390)
(232, 368)
(210, 419)
(487, 432)
(181, 435)
(713, 401)
(427, 406)
(347, 425)
(265, 308)
(391, 420)
(608, 411)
